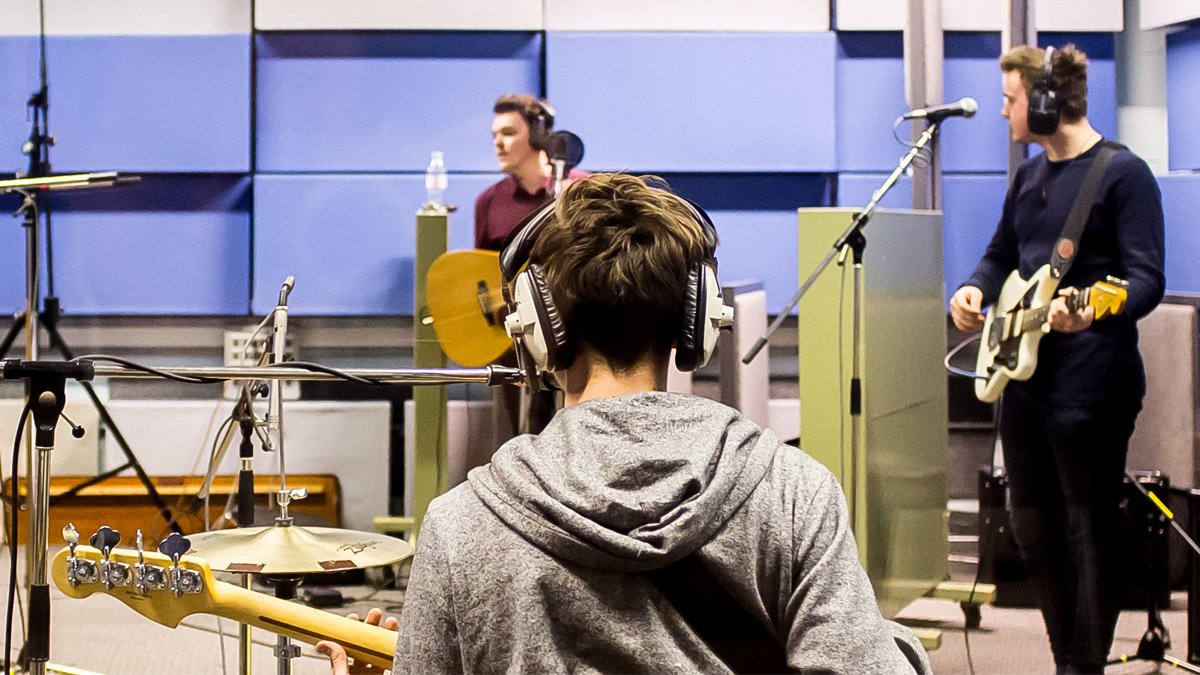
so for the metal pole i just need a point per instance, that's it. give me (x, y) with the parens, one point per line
(1018, 30)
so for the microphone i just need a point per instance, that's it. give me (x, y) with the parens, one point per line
(565, 151)
(274, 397)
(963, 107)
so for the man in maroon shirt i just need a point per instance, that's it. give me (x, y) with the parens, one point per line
(519, 132)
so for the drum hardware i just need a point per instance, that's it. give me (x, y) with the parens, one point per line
(46, 397)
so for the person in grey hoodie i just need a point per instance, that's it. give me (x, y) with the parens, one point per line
(613, 540)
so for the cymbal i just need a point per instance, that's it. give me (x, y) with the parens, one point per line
(296, 550)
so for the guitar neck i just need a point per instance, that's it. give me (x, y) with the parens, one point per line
(362, 642)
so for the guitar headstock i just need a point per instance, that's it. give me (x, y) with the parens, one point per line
(1106, 297)
(147, 582)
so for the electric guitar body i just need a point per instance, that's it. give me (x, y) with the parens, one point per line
(464, 294)
(1017, 321)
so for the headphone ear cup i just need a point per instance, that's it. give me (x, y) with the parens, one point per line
(535, 323)
(1042, 117)
(538, 132)
(704, 314)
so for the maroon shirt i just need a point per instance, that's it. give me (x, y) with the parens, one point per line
(500, 208)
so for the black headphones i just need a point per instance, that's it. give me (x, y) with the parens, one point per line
(541, 125)
(537, 327)
(1043, 101)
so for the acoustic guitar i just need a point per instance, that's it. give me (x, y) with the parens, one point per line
(464, 296)
(151, 584)
(1017, 321)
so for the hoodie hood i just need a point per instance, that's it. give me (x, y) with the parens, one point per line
(627, 484)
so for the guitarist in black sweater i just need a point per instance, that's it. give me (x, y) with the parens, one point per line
(1066, 430)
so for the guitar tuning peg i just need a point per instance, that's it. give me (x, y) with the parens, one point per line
(105, 539)
(174, 546)
(71, 535)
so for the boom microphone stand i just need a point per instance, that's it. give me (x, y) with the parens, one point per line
(33, 187)
(851, 241)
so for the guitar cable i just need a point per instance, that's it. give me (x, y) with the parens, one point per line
(955, 370)
(12, 543)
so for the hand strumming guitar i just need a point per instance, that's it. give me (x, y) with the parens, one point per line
(966, 308)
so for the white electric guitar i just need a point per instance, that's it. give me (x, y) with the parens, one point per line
(165, 589)
(1017, 321)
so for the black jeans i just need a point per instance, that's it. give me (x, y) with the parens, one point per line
(1065, 469)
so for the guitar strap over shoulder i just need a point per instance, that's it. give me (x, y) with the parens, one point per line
(1067, 246)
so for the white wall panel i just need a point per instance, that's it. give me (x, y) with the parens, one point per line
(127, 17)
(348, 439)
(985, 15)
(778, 16)
(393, 15)
(1158, 13)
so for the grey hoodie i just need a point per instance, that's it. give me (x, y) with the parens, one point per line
(534, 564)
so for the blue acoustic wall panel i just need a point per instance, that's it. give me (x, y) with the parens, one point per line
(971, 205)
(19, 73)
(1180, 195)
(870, 94)
(169, 245)
(972, 69)
(12, 258)
(857, 189)
(1183, 99)
(755, 217)
(348, 239)
(696, 101)
(150, 103)
(381, 101)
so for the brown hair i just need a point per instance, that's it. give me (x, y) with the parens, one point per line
(528, 106)
(616, 258)
(1068, 75)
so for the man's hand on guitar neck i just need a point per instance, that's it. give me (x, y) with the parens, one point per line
(966, 308)
(339, 662)
(1063, 320)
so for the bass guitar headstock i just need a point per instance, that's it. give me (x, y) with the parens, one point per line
(164, 586)
(1106, 297)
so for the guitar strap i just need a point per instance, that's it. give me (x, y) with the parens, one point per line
(1068, 242)
(717, 618)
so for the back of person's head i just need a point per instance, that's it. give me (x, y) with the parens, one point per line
(537, 113)
(1068, 75)
(616, 259)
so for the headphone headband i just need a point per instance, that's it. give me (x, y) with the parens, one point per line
(519, 246)
(540, 332)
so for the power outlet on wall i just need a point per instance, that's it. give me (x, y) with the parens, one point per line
(240, 350)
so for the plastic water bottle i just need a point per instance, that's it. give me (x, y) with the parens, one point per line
(436, 180)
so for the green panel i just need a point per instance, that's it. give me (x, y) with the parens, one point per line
(896, 480)
(429, 435)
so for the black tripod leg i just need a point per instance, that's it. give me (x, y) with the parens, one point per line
(10, 337)
(56, 342)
